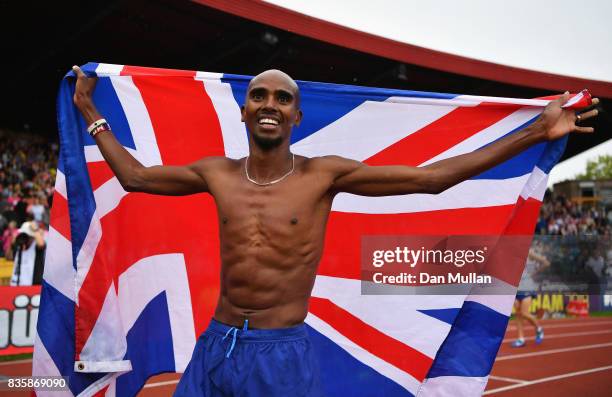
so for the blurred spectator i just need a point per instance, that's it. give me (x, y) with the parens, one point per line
(37, 210)
(27, 178)
(8, 236)
(28, 254)
(596, 263)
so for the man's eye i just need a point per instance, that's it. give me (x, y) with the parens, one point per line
(283, 99)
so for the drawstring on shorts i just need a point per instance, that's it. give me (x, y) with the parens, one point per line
(234, 332)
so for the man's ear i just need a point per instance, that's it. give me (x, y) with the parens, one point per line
(242, 113)
(298, 117)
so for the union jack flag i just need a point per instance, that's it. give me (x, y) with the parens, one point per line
(132, 279)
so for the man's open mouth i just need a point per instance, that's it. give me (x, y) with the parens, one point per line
(267, 121)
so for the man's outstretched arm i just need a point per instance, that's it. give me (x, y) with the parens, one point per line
(133, 176)
(358, 178)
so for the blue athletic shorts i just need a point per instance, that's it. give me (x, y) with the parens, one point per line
(231, 361)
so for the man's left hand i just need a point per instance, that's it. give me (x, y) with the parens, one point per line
(556, 121)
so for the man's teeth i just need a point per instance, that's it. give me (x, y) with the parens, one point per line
(268, 121)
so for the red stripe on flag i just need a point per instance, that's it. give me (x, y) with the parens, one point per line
(441, 135)
(99, 173)
(586, 100)
(372, 340)
(60, 217)
(102, 392)
(183, 118)
(145, 71)
(342, 256)
(525, 217)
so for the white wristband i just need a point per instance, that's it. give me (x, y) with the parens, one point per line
(95, 125)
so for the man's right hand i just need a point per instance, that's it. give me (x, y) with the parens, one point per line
(133, 176)
(83, 95)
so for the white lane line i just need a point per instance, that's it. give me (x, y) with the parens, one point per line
(548, 379)
(506, 379)
(565, 335)
(552, 351)
(158, 384)
(568, 325)
(16, 362)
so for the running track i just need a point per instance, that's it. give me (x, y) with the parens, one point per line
(575, 359)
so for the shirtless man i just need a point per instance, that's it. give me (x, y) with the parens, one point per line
(272, 208)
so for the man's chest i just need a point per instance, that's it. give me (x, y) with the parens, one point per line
(298, 199)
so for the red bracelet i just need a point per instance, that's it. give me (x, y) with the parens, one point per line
(102, 127)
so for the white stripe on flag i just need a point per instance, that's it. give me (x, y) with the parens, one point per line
(502, 100)
(208, 76)
(407, 325)
(138, 285)
(148, 278)
(106, 346)
(59, 272)
(400, 377)
(108, 69)
(234, 132)
(487, 135)
(112, 387)
(138, 119)
(500, 303)
(444, 386)
(87, 252)
(475, 193)
(368, 129)
(575, 99)
(108, 196)
(536, 185)
(462, 101)
(60, 184)
(43, 365)
(147, 151)
(495, 296)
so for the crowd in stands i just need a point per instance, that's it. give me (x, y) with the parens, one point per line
(576, 242)
(27, 178)
(560, 216)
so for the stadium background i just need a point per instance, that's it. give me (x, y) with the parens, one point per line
(46, 39)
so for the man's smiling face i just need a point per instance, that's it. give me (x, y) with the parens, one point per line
(271, 108)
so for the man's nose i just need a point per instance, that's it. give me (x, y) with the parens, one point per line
(270, 102)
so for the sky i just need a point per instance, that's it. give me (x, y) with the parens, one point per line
(573, 166)
(563, 37)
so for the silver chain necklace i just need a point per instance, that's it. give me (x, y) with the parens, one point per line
(246, 171)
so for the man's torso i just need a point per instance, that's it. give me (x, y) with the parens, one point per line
(271, 241)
